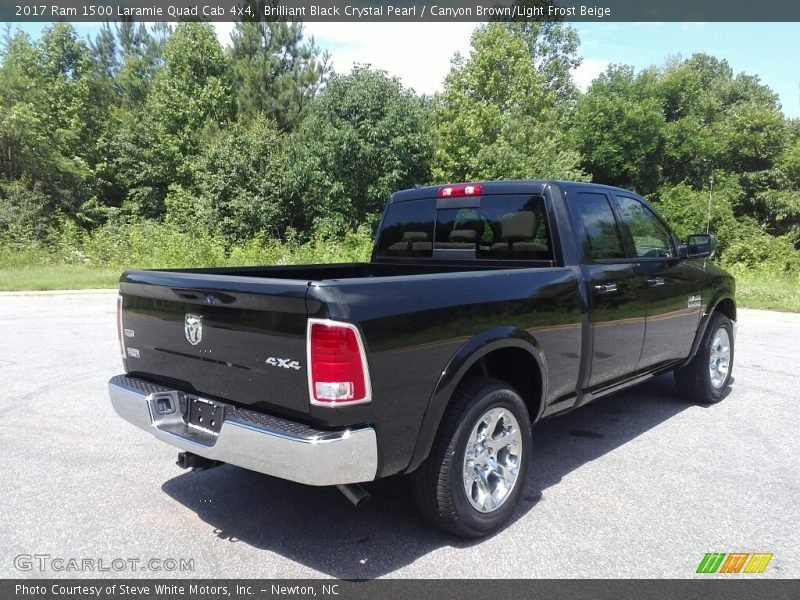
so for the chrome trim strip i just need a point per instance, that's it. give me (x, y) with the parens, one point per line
(347, 456)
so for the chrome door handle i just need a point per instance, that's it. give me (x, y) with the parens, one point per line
(655, 282)
(605, 288)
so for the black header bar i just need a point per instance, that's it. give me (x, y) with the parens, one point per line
(401, 10)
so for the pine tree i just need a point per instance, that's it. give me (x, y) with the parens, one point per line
(276, 72)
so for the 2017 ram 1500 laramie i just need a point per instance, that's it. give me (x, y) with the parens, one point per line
(485, 308)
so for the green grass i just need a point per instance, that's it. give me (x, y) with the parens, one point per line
(753, 290)
(57, 277)
(768, 291)
(75, 260)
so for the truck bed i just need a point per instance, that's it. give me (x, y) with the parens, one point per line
(254, 317)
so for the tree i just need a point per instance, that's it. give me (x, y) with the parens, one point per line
(366, 137)
(553, 49)
(188, 100)
(128, 56)
(715, 120)
(275, 71)
(753, 136)
(619, 129)
(26, 215)
(498, 116)
(23, 129)
(53, 110)
(77, 101)
(679, 124)
(242, 185)
(192, 88)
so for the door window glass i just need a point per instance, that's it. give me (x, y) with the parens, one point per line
(601, 239)
(650, 238)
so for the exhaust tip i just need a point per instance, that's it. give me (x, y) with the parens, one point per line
(356, 494)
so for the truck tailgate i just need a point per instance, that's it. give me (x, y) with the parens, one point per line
(240, 339)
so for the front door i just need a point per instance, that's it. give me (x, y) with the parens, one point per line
(671, 287)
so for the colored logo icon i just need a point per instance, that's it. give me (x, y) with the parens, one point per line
(734, 562)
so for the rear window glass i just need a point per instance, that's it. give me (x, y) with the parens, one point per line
(502, 227)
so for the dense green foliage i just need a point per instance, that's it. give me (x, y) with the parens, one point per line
(158, 146)
(692, 130)
(367, 138)
(503, 115)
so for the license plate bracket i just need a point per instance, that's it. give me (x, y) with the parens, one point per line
(205, 414)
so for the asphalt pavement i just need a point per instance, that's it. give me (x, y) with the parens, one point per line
(640, 484)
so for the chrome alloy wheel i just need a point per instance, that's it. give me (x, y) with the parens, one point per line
(719, 360)
(492, 458)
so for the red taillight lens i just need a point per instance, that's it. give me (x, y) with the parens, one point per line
(119, 327)
(457, 191)
(336, 363)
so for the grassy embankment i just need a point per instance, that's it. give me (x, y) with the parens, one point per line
(96, 261)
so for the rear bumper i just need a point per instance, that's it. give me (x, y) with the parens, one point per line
(248, 439)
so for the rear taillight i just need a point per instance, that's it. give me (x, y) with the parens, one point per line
(337, 365)
(119, 327)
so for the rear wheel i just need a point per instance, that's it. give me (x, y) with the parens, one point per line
(707, 377)
(472, 480)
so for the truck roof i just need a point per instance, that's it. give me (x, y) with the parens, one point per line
(508, 186)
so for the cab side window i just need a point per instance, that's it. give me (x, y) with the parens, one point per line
(602, 239)
(650, 238)
(407, 230)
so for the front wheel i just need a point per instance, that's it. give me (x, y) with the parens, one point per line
(472, 480)
(706, 378)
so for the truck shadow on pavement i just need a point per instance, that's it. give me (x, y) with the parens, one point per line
(319, 529)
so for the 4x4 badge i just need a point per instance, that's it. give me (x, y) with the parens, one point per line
(284, 363)
(193, 328)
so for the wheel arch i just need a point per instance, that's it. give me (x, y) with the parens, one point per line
(727, 306)
(510, 354)
(722, 302)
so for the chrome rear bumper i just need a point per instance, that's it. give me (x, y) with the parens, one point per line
(248, 439)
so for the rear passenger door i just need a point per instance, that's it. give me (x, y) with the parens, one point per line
(616, 306)
(671, 287)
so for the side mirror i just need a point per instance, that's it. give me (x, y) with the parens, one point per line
(700, 245)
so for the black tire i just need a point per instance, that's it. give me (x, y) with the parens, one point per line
(438, 484)
(694, 380)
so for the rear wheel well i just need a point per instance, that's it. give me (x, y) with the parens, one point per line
(727, 307)
(516, 367)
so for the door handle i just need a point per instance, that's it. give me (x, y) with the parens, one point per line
(655, 282)
(605, 288)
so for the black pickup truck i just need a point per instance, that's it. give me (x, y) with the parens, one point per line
(485, 307)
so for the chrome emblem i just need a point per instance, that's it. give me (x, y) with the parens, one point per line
(193, 328)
